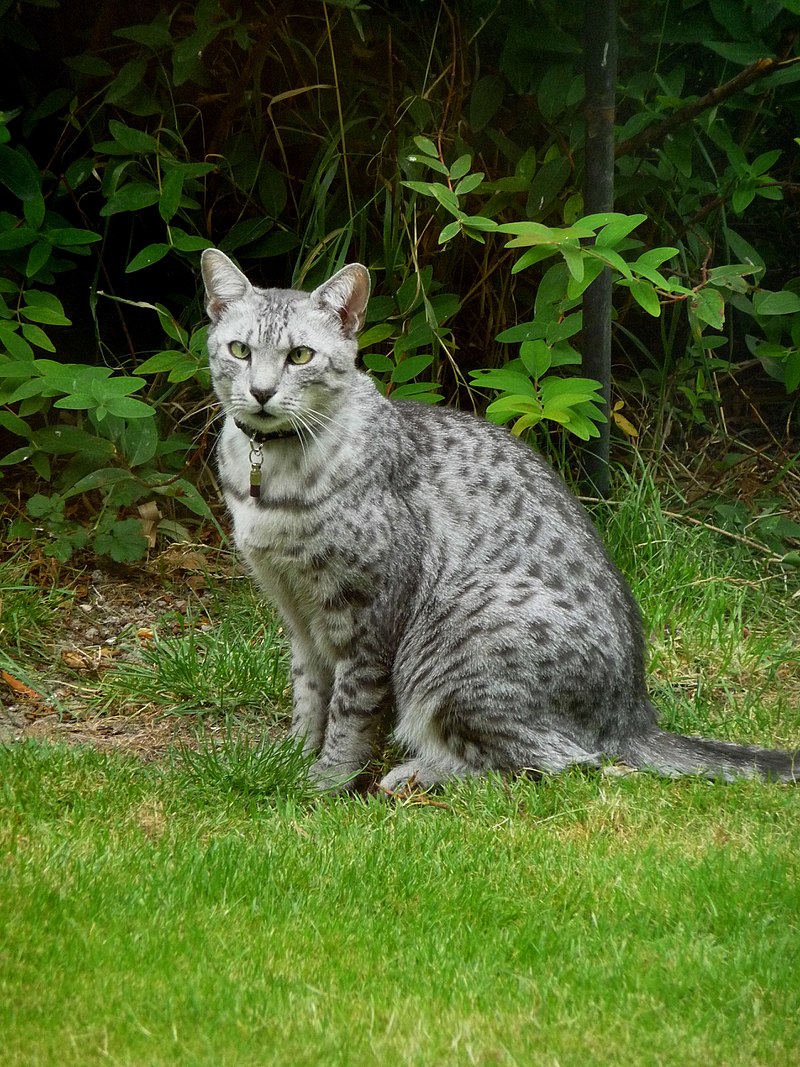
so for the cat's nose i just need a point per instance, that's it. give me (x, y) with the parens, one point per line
(261, 395)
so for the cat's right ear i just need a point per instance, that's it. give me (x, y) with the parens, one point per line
(223, 280)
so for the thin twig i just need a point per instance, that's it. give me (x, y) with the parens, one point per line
(760, 69)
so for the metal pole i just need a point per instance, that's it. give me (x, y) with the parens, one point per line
(600, 66)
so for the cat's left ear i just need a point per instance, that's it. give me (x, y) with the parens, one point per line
(346, 294)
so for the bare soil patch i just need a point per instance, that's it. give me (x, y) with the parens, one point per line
(108, 617)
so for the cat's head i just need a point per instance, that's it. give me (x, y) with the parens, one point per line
(282, 359)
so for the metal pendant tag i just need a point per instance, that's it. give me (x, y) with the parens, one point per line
(256, 457)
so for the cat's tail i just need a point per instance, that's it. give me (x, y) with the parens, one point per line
(674, 755)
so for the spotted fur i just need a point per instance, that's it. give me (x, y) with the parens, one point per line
(428, 566)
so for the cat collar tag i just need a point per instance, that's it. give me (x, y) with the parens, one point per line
(256, 458)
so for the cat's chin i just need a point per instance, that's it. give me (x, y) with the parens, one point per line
(264, 428)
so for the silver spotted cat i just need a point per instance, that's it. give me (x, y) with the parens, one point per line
(432, 571)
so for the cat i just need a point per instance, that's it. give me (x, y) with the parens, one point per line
(429, 567)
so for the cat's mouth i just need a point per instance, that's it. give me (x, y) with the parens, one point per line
(265, 431)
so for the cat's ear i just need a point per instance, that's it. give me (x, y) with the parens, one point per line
(223, 280)
(346, 294)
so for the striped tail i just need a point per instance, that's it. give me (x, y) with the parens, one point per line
(674, 755)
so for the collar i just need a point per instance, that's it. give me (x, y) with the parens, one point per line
(263, 436)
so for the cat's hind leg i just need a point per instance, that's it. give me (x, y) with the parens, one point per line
(446, 740)
(424, 774)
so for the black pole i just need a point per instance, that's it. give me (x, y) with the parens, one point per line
(600, 67)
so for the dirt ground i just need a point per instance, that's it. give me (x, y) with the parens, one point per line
(108, 616)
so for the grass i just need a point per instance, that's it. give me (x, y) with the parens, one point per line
(207, 910)
(238, 664)
(580, 920)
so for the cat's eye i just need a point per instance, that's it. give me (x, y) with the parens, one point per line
(239, 349)
(300, 355)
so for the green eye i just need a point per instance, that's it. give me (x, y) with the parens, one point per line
(239, 349)
(300, 355)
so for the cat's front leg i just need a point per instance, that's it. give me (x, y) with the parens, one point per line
(357, 704)
(311, 694)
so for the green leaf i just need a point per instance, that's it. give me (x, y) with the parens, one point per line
(524, 331)
(375, 334)
(148, 256)
(64, 439)
(784, 302)
(426, 145)
(708, 306)
(36, 336)
(565, 392)
(70, 237)
(614, 231)
(19, 173)
(469, 184)
(451, 230)
(127, 407)
(171, 193)
(537, 357)
(792, 372)
(645, 296)
(743, 196)
(101, 479)
(160, 362)
(461, 167)
(128, 79)
(742, 53)
(411, 367)
(479, 222)
(171, 327)
(186, 242)
(419, 391)
(186, 493)
(611, 259)
(761, 164)
(509, 381)
(574, 259)
(534, 255)
(37, 257)
(515, 404)
(124, 542)
(447, 198)
(15, 345)
(45, 315)
(562, 331)
(592, 268)
(378, 362)
(433, 163)
(655, 257)
(140, 441)
(487, 96)
(14, 424)
(155, 34)
(528, 233)
(18, 237)
(120, 386)
(135, 196)
(243, 233)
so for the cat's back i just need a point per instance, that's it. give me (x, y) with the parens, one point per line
(482, 471)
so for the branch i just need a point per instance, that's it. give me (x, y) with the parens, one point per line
(746, 77)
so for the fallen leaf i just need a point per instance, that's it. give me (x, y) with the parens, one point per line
(21, 689)
(621, 422)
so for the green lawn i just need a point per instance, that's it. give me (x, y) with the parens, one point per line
(581, 920)
(205, 910)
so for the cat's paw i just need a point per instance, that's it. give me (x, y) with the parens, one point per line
(410, 777)
(333, 777)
